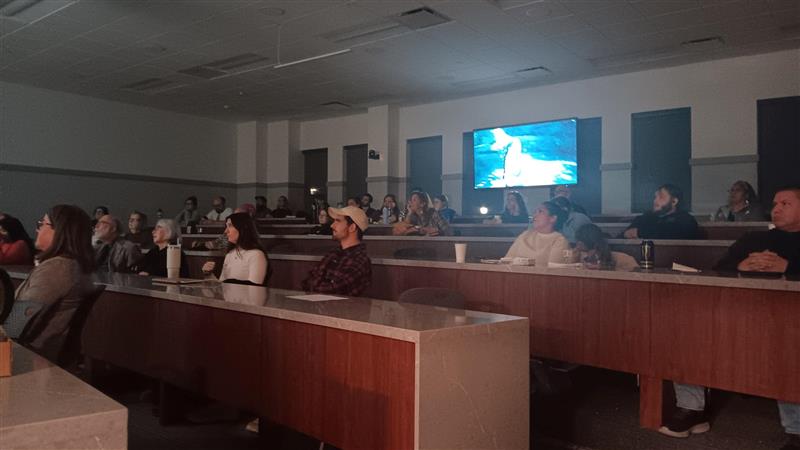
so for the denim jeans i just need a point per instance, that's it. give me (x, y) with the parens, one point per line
(693, 397)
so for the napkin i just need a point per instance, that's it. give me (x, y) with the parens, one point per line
(682, 268)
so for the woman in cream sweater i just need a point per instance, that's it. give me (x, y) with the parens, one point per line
(542, 242)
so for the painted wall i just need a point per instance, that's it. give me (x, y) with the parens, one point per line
(721, 93)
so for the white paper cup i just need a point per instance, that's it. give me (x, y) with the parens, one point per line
(173, 261)
(461, 253)
(173, 273)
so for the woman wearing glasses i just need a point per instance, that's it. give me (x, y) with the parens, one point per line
(742, 205)
(62, 277)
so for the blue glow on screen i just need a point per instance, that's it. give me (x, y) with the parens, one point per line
(538, 154)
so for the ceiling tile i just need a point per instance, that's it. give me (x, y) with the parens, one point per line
(559, 26)
(650, 8)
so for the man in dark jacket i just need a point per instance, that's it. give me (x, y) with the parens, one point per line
(667, 220)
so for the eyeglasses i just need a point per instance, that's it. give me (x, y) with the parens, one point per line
(41, 223)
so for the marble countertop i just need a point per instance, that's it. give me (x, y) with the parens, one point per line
(41, 394)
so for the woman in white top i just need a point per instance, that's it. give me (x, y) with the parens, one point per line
(246, 261)
(542, 242)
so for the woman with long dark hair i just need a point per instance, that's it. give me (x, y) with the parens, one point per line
(246, 261)
(596, 253)
(16, 247)
(62, 279)
(543, 242)
(421, 219)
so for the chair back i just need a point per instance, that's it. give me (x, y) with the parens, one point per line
(6, 295)
(433, 296)
(71, 350)
(20, 315)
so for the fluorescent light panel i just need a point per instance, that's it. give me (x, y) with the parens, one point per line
(312, 58)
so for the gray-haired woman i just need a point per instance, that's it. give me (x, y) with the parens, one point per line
(155, 261)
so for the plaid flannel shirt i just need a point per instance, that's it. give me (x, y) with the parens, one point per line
(342, 271)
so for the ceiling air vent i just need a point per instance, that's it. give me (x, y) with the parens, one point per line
(152, 86)
(375, 29)
(706, 43)
(534, 72)
(336, 106)
(222, 67)
(29, 10)
(421, 18)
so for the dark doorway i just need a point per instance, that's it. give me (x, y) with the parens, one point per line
(315, 176)
(425, 164)
(588, 192)
(778, 145)
(473, 199)
(661, 143)
(355, 170)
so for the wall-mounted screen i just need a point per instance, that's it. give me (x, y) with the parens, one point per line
(534, 154)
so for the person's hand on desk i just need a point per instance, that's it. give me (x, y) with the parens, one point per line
(402, 229)
(208, 267)
(631, 233)
(765, 261)
(429, 231)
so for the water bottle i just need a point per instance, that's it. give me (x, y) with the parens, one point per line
(648, 259)
(385, 215)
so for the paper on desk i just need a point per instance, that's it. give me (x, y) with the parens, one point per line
(315, 297)
(682, 268)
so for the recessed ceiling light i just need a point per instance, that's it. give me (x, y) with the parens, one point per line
(273, 12)
(226, 106)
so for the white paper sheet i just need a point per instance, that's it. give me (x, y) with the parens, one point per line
(315, 297)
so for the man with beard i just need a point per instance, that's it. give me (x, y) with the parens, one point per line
(667, 220)
(113, 253)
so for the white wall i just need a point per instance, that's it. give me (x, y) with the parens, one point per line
(54, 129)
(721, 93)
(334, 134)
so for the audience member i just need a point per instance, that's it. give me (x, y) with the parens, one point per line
(113, 253)
(373, 214)
(667, 220)
(324, 227)
(220, 212)
(421, 219)
(282, 210)
(776, 250)
(190, 215)
(390, 213)
(137, 230)
(543, 242)
(16, 247)
(441, 205)
(515, 210)
(154, 262)
(564, 190)
(99, 212)
(262, 212)
(743, 205)
(346, 270)
(574, 220)
(247, 208)
(62, 278)
(354, 201)
(595, 252)
(246, 261)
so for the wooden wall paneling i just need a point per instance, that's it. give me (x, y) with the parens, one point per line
(554, 318)
(483, 291)
(615, 321)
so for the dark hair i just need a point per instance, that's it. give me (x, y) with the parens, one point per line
(749, 192)
(593, 239)
(16, 232)
(222, 199)
(358, 230)
(192, 199)
(555, 210)
(367, 194)
(261, 197)
(285, 199)
(354, 199)
(72, 236)
(248, 233)
(141, 215)
(523, 210)
(563, 203)
(396, 210)
(442, 198)
(101, 208)
(673, 191)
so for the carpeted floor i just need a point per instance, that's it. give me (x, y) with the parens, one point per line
(598, 411)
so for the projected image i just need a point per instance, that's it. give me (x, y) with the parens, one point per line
(539, 154)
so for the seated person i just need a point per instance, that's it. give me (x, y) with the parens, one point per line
(574, 220)
(595, 252)
(776, 250)
(543, 242)
(514, 212)
(282, 210)
(324, 227)
(220, 211)
(262, 212)
(390, 210)
(113, 253)
(742, 205)
(564, 190)
(63, 277)
(346, 270)
(190, 215)
(246, 261)
(155, 261)
(99, 212)
(365, 203)
(137, 230)
(421, 219)
(353, 201)
(440, 204)
(16, 247)
(667, 220)
(247, 208)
